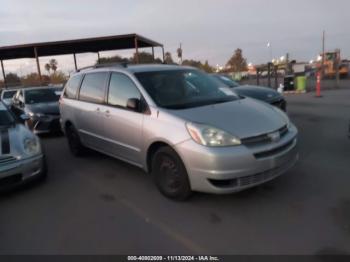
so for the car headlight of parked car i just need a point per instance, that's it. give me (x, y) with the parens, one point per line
(31, 146)
(211, 136)
(36, 115)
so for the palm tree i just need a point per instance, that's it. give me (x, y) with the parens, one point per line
(48, 68)
(53, 64)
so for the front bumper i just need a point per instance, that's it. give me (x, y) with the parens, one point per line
(45, 124)
(233, 169)
(21, 171)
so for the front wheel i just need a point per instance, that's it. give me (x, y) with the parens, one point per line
(74, 143)
(170, 174)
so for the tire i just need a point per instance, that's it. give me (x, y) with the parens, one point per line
(170, 175)
(74, 143)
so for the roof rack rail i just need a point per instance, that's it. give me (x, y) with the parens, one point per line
(121, 64)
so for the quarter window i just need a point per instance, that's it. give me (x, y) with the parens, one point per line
(72, 87)
(93, 87)
(121, 89)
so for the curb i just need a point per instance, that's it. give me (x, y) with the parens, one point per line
(295, 92)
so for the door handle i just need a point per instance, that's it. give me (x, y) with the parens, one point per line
(107, 113)
(98, 109)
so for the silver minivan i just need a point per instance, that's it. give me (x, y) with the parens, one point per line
(179, 124)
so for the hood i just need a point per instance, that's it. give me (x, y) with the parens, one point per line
(51, 108)
(242, 118)
(258, 92)
(7, 101)
(11, 139)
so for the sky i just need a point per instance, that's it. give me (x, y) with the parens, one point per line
(208, 29)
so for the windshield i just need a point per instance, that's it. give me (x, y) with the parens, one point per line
(40, 96)
(226, 80)
(178, 89)
(9, 94)
(6, 118)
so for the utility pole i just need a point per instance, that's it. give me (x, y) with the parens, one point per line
(323, 52)
(337, 65)
(270, 50)
(269, 67)
(179, 54)
(287, 64)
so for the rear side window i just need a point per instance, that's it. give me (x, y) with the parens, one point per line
(72, 86)
(121, 88)
(93, 87)
(9, 94)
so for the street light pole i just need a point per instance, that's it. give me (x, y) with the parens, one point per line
(323, 50)
(270, 50)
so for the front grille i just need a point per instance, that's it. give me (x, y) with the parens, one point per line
(249, 180)
(7, 159)
(265, 138)
(259, 178)
(55, 125)
(53, 114)
(274, 151)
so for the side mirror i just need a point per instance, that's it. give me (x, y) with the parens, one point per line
(24, 117)
(134, 104)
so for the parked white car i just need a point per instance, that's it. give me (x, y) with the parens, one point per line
(7, 95)
(21, 156)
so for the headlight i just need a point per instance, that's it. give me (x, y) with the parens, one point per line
(31, 146)
(36, 115)
(211, 136)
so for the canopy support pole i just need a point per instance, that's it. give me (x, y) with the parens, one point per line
(163, 54)
(75, 62)
(3, 73)
(153, 52)
(37, 64)
(137, 60)
(98, 57)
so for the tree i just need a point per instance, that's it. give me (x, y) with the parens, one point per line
(193, 63)
(53, 65)
(145, 58)
(112, 59)
(58, 78)
(48, 68)
(32, 79)
(205, 67)
(13, 79)
(237, 62)
(168, 59)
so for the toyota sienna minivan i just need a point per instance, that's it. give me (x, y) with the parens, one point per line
(178, 124)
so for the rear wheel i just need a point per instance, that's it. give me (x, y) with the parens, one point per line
(170, 174)
(74, 143)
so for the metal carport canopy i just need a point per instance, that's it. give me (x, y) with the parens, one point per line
(83, 45)
(95, 44)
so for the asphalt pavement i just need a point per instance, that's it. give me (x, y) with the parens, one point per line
(99, 205)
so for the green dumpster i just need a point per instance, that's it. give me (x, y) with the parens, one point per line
(301, 83)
